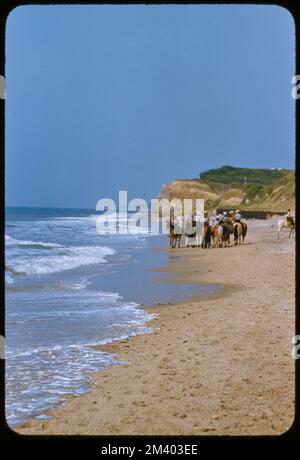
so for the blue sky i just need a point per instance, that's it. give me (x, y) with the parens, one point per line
(108, 98)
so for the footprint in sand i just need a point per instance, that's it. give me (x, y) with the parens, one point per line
(139, 403)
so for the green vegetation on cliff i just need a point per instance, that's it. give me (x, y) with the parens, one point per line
(238, 176)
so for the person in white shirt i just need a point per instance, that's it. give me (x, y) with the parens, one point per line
(198, 219)
(220, 218)
(238, 216)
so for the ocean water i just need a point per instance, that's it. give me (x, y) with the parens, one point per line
(69, 288)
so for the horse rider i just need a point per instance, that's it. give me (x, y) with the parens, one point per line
(224, 222)
(289, 217)
(237, 216)
(208, 220)
(194, 220)
(226, 218)
(205, 218)
(231, 216)
(219, 219)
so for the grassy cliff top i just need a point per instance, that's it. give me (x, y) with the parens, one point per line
(232, 175)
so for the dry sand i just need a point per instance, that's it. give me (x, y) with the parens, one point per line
(219, 364)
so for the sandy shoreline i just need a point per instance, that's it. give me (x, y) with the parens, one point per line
(216, 364)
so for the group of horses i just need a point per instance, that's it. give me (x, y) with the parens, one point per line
(217, 235)
(207, 235)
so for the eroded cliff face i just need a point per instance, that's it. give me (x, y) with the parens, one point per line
(278, 196)
(212, 194)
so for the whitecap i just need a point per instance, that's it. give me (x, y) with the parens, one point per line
(65, 258)
(9, 241)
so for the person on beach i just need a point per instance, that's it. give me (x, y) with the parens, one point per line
(226, 218)
(237, 216)
(198, 219)
(205, 218)
(289, 217)
(206, 231)
(194, 221)
(224, 222)
(190, 230)
(219, 219)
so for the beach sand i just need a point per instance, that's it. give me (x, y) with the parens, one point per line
(214, 365)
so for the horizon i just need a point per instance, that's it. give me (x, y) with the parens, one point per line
(129, 97)
(94, 209)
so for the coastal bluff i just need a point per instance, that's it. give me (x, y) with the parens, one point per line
(247, 188)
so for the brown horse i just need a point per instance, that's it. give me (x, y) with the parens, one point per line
(206, 236)
(244, 231)
(174, 236)
(237, 233)
(217, 232)
(227, 231)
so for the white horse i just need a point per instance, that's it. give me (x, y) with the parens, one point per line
(284, 223)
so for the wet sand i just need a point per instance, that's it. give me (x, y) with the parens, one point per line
(219, 364)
